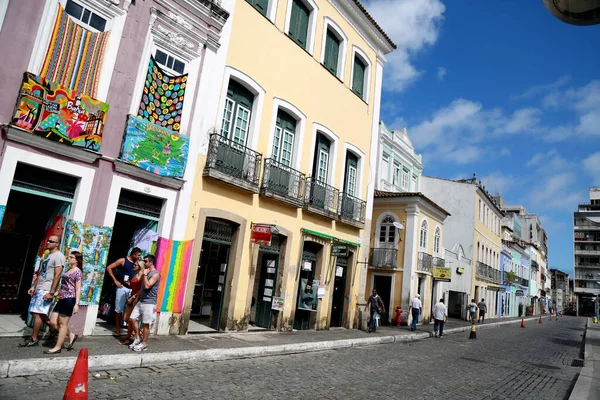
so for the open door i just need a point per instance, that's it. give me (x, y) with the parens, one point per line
(266, 290)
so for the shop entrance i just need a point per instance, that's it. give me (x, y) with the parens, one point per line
(383, 284)
(339, 292)
(136, 225)
(306, 307)
(210, 288)
(457, 305)
(38, 205)
(265, 284)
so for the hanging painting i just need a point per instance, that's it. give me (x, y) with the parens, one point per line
(162, 100)
(93, 242)
(59, 114)
(154, 148)
(172, 262)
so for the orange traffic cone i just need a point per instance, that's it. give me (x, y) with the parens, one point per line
(77, 388)
(540, 319)
(522, 322)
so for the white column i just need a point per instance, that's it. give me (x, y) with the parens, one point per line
(410, 254)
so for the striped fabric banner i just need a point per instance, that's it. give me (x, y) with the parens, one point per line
(173, 262)
(74, 56)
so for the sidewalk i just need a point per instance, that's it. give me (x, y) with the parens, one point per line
(105, 353)
(588, 382)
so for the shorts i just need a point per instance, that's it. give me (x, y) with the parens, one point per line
(472, 314)
(38, 304)
(121, 297)
(64, 307)
(482, 313)
(144, 313)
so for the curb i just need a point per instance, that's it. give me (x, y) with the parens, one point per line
(34, 366)
(583, 385)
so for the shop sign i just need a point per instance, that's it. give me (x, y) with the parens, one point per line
(442, 274)
(519, 292)
(339, 250)
(278, 303)
(261, 234)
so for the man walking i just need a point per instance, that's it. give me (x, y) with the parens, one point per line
(145, 309)
(122, 281)
(472, 311)
(377, 307)
(440, 314)
(44, 287)
(415, 309)
(482, 310)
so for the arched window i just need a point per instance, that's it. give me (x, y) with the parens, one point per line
(387, 230)
(423, 237)
(436, 241)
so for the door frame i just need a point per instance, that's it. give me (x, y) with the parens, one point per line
(392, 290)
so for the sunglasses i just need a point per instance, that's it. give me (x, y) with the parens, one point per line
(52, 241)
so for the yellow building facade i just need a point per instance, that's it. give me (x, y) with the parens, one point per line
(289, 153)
(406, 246)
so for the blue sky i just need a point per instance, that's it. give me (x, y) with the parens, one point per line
(503, 89)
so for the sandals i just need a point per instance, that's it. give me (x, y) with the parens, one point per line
(30, 343)
(52, 352)
(70, 345)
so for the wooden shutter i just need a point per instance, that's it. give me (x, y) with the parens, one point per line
(322, 144)
(351, 161)
(260, 5)
(299, 23)
(332, 49)
(358, 78)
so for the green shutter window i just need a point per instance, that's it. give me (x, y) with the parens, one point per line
(237, 113)
(332, 50)
(350, 179)
(358, 77)
(260, 5)
(283, 143)
(321, 163)
(299, 23)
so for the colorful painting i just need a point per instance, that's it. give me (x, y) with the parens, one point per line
(93, 242)
(173, 262)
(74, 57)
(154, 148)
(162, 100)
(59, 114)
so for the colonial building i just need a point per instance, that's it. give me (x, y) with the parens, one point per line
(560, 289)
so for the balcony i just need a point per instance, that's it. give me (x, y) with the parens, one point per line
(438, 262)
(523, 282)
(321, 199)
(534, 266)
(587, 252)
(352, 210)
(283, 183)
(232, 163)
(383, 258)
(487, 273)
(425, 262)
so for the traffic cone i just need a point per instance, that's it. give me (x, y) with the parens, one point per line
(540, 319)
(473, 334)
(77, 388)
(522, 322)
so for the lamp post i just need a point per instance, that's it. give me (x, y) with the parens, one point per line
(575, 12)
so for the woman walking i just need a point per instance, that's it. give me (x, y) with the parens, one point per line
(68, 302)
(136, 289)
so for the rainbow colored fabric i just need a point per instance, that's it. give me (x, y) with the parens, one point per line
(74, 56)
(173, 262)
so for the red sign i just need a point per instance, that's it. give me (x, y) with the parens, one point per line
(261, 234)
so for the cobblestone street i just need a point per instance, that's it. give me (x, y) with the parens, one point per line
(505, 362)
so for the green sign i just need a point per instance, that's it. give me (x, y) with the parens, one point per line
(339, 250)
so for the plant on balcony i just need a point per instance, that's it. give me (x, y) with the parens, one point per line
(511, 277)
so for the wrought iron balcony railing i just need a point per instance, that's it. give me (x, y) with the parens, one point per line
(523, 282)
(321, 198)
(283, 183)
(425, 262)
(216, 11)
(438, 262)
(352, 210)
(383, 258)
(485, 272)
(233, 163)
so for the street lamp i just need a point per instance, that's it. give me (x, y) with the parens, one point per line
(575, 12)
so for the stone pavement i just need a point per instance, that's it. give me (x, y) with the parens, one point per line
(104, 352)
(505, 362)
(588, 383)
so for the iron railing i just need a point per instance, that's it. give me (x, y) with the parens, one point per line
(523, 282)
(438, 262)
(233, 159)
(352, 208)
(383, 258)
(534, 265)
(425, 261)
(283, 181)
(321, 196)
(485, 272)
(216, 11)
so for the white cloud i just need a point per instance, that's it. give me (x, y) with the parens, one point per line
(591, 165)
(550, 162)
(505, 151)
(522, 120)
(555, 192)
(412, 25)
(544, 89)
(441, 73)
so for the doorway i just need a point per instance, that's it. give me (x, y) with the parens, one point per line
(339, 292)
(383, 285)
(306, 306)
(265, 284)
(457, 304)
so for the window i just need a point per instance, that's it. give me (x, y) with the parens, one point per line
(480, 211)
(260, 5)
(299, 22)
(387, 231)
(478, 253)
(358, 77)
(84, 15)
(385, 166)
(350, 177)
(283, 142)
(332, 52)
(237, 113)
(396, 176)
(405, 175)
(436, 241)
(321, 165)
(423, 236)
(169, 62)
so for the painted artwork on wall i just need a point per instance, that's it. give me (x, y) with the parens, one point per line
(93, 242)
(59, 114)
(173, 262)
(162, 100)
(154, 148)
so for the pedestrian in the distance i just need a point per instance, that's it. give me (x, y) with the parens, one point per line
(376, 306)
(68, 302)
(123, 283)
(472, 310)
(145, 309)
(136, 292)
(482, 310)
(440, 314)
(415, 310)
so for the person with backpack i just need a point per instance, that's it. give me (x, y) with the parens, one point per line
(376, 305)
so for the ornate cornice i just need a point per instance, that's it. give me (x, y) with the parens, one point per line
(175, 39)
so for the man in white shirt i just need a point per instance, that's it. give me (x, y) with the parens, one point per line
(440, 314)
(415, 307)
